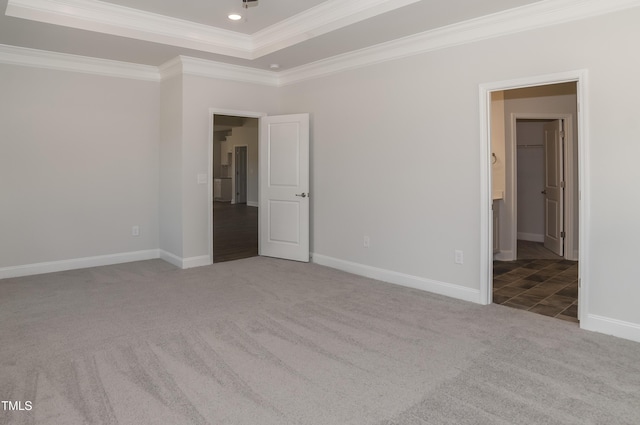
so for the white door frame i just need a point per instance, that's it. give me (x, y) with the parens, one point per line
(220, 111)
(568, 165)
(486, 201)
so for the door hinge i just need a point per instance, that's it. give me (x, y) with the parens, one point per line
(562, 133)
(562, 234)
(562, 185)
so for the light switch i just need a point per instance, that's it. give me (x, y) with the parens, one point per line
(202, 178)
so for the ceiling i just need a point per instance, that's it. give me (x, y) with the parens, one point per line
(290, 33)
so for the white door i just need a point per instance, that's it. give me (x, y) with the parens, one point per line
(553, 188)
(284, 187)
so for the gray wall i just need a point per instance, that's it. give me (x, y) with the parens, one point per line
(78, 165)
(170, 190)
(421, 115)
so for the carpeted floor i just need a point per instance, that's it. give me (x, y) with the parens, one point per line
(265, 341)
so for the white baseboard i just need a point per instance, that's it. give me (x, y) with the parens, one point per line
(531, 237)
(504, 256)
(77, 263)
(171, 258)
(185, 263)
(429, 285)
(202, 260)
(575, 257)
(252, 204)
(606, 325)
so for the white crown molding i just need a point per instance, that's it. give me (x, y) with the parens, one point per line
(326, 17)
(171, 68)
(511, 21)
(224, 71)
(536, 15)
(108, 18)
(64, 62)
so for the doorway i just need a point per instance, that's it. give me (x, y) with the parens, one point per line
(526, 275)
(540, 278)
(280, 188)
(235, 187)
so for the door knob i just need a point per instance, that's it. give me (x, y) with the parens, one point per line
(544, 192)
(302, 195)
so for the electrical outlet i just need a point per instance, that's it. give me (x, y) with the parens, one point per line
(458, 256)
(366, 242)
(135, 231)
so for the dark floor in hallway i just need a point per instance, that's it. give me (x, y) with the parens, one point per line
(543, 286)
(235, 231)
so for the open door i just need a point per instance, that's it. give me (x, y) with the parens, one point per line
(284, 187)
(554, 187)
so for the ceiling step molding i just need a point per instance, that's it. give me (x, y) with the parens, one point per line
(325, 17)
(511, 21)
(65, 62)
(109, 18)
(537, 15)
(224, 71)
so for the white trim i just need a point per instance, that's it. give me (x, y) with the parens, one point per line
(524, 18)
(486, 223)
(225, 71)
(23, 56)
(533, 16)
(171, 258)
(606, 325)
(171, 68)
(199, 261)
(210, 119)
(519, 19)
(583, 140)
(502, 255)
(77, 263)
(252, 204)
(108, 18)
(531, 237)
(402, 279)
(321, 19)
(185, 263)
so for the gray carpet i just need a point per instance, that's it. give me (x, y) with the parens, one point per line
(264, 341)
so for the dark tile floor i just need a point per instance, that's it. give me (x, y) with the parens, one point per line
(548, 287)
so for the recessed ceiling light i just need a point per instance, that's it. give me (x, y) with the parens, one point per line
(274, 66)
(235, 17)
